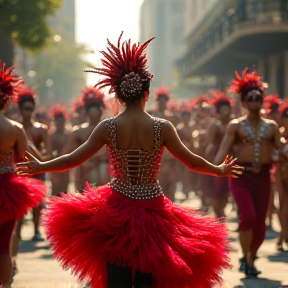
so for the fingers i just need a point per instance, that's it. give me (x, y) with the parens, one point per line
(30, 156)
(22, 164)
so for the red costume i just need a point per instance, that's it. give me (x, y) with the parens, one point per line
(129, 223)
(17, 194)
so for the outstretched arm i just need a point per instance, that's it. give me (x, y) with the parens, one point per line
(173, 143)
(95, 142)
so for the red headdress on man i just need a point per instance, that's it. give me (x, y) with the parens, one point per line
(125, 69)
(271, 103)
(57, 110)
(8, 84)
(77, 105)
(162, 92)
(92, 97)
(248, 81)
(25, 94)
(185, 107)
(283, 109)
(202, 101)
(220, 98)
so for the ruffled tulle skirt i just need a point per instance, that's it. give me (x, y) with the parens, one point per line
(18, 195)
(177, 245)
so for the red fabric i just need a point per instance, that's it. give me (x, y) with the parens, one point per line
(18, 195)
(177, 245)
(221, 187)
(251, 192)
(6, 230)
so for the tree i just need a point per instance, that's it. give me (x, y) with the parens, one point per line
(22, 22)
(58, 72)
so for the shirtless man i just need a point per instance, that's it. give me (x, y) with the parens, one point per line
(56, 141)
(282, 178)
(168, 176)
(94, 171)
(37, 135)
(185, 130)
(256, 138)
(215, 134)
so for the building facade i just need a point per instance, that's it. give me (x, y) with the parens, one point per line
(164, 20)
(222, 36)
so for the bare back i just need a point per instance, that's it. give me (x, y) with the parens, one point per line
(135, 131)
(12, 137)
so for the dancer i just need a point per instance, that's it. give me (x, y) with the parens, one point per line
(168, 176)
(128, 230)
(256, 138)
(37, 134)
(95, 169)
(17, 195)
(282, 178)
(215, 134)
(56, 141)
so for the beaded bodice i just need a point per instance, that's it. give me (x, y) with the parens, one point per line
(135, 171)
(6, 162)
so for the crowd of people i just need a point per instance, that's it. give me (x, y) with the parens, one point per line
(131, 232)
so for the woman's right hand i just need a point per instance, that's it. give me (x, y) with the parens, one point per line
(30, 167)
(229, 169)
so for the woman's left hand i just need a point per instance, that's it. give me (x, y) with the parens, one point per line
(30, 167)
(229, 169)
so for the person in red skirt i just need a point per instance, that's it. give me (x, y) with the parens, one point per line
(127, 232)
(17, 194)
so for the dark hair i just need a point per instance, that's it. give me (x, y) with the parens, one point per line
(3, 100)
(243, 95)
(222, 103)
(25, 99)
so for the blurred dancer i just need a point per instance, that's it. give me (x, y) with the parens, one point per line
(215, 134)
(271, 105)
(256, 138)
(168, 174)
(94, 171)
(17, 195)
(282, 178)
(128, 231)
(37, 134)
(56, 142)
(185, 130)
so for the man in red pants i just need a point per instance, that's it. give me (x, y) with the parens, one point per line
(256, 138)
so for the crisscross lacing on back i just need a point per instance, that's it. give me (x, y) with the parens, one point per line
(135, 171)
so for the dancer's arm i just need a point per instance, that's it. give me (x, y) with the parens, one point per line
(95, 142)
(173, 143)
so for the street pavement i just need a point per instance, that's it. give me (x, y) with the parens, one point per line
(38, 269)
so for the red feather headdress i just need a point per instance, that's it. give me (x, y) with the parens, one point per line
(124, 69)
(220, 98)
(92, 97)
(77, 105)
(25, 94)
(8, 83)
(272, 102)
(162, 92)
(172, 106)
(249, 81)
(57, 110)
(199, 100)
(185, 106)
(283, 109)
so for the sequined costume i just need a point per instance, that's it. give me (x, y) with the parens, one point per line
(17, 194)
(130, 223)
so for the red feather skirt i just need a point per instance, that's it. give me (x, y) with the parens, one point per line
(18, 195)
(177, 245)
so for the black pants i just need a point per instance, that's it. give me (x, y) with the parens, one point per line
(119, 277)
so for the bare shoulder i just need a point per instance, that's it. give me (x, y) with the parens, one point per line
(270, 122)
(17, 126)
(40, 126)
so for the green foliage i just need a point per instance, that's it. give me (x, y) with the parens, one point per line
(62, 63)
(24, 21)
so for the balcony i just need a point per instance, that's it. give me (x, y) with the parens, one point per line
(234, 35)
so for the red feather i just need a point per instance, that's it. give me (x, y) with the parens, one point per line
(92, 96)
(8, 83)
(25, 93)
(163, 91)
(58, 110)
